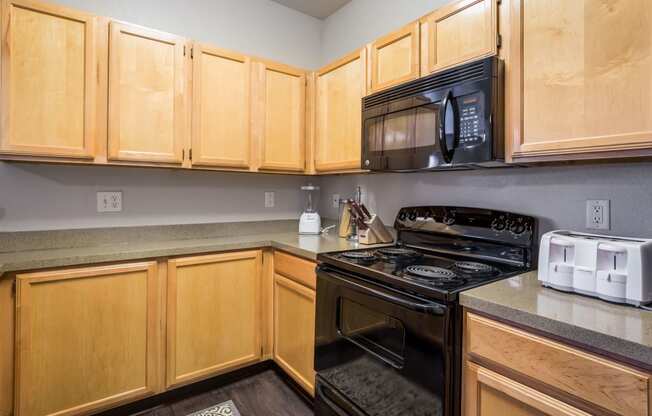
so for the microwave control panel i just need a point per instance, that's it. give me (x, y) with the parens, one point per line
(471, 121)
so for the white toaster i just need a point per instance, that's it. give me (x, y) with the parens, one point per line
(616, 269)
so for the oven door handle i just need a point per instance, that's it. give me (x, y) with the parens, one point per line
(421, 307)
(445, 151)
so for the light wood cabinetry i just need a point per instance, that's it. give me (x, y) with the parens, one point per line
(221, 110)
(579, 82)
(279, 116)
(48, 84)
(490, 394)
(458, 32)
(147, 95)
(394, 58)
(213, 314)
(538, 372)
(339, 89)
(86, 339)
(294, 318)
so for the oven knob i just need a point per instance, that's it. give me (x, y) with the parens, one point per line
(498, 224)
(367, 162)
(449, 219)
(413, 216)
(402, 216)
(517, 227)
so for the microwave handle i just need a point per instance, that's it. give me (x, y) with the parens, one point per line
(445, 151)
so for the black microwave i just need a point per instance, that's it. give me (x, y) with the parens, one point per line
(452, 119)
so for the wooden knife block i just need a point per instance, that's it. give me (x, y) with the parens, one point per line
(376, 233)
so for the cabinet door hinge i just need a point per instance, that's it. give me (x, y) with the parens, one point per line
(499, 41)
(13, 289)
(499, 2)
(183, 154)
(192, 53)
(190, 154)
(184, 50)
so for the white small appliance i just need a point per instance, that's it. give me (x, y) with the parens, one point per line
(310, 222)
(616, 269)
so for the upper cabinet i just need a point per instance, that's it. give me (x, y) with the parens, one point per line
(459, 32)
(338, 109)
(221, 108)
(579, 84)
(147, 95)
(279, 119)
(394, 59)
(48, 86)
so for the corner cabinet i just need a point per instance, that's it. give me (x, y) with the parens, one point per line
(147, 95)
(294, 318)
(394, 58)
(279, 118)
(213, 315)
(509, 371)
(49, 80)
(458, 32)
(86, 339)
(338, 113)
(221, 110)
(579, 85)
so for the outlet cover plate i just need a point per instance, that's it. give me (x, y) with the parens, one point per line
(269, 199)
(109, 201)
(336, 200)
(598, 214)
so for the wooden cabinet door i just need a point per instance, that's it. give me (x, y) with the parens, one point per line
(86, 339)
(487, 393)
(221, 108)
(338, 119)
(394, 59)
(580, 81)
(280, 116)
(459, 32)
(147, 97)
(213, 315)
(294, 330)
(48, 86)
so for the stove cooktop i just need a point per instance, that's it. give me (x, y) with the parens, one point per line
(438, 275)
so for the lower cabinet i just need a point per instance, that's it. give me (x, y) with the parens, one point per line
(86, 339)
(508, 371)
(213, 315)
(294, 318)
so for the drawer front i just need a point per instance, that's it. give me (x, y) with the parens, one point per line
(591, 379)
(300, 270)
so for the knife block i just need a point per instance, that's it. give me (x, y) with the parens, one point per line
(375, 233)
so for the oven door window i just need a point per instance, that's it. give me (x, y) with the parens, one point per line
(381, 335)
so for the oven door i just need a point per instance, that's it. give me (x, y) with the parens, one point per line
(379, 351)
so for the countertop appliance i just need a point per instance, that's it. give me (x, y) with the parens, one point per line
(388, 330)
(449, 120)
(616, 269)
(310, 221)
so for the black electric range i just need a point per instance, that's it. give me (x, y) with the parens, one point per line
(388, 337)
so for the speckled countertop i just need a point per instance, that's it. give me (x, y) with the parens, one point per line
(617, 330)
(48, 249)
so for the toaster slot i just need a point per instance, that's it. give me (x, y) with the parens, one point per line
(562, 264)
(612, 273)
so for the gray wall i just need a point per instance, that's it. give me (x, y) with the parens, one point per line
(362, 21)
(39, 197)
(555, 194)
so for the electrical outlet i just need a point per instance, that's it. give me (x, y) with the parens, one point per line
(269, 199)
(336, 200)
(598, 214)
(109, 201)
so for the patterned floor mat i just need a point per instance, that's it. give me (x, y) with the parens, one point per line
(223, 409)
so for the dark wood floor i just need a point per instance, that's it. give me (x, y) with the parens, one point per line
(264, 394)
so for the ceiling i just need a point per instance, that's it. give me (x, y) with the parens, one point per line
(320, 9)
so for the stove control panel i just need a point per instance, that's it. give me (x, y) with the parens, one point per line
(505, 227)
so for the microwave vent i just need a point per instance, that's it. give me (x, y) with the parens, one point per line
(471, 72)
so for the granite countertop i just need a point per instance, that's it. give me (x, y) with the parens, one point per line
(36, 250)
(617, 330)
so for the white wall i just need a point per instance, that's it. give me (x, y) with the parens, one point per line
(361, 21)
(39, 197)
(258, 27)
